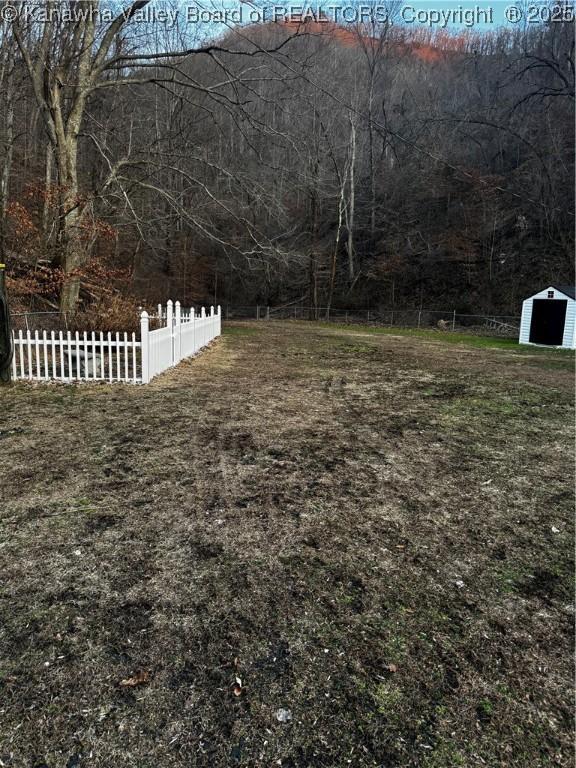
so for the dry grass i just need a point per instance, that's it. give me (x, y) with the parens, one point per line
(372, 532)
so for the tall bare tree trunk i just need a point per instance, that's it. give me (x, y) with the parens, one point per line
(71, 212)
(312, 259)
(350, 218)
(314, 201)
(7, 84)
(46, 223)
(371, 156)
(341, 205)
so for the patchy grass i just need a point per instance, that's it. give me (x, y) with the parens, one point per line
(467, 339)
(240, 330)
(372, 531)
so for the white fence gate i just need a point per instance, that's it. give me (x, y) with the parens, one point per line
(66, 356)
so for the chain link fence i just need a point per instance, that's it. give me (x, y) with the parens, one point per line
(451, 320)
(497, 325)
(39, 321)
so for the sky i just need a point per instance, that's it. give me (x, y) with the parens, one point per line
(481, 15)
(210, 18)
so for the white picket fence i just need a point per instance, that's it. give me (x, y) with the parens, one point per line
(66, 356)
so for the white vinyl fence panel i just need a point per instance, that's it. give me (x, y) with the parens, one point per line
(66, 356)
(75, 356)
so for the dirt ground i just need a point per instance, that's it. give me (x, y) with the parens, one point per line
(307, 547)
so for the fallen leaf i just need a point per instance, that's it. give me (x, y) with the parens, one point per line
(139, 678)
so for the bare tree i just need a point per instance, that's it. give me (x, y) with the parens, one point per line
(68, 62)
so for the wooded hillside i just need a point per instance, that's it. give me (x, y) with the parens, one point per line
(342, 166)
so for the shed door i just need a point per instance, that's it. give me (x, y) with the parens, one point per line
(547, 326)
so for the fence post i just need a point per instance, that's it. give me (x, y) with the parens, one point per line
(454, 320)
(219, 323)
(169, 313)
(145, 348)
(193, 321)
(419, 314)
(159, 315)
(202, 336)
(177, 348)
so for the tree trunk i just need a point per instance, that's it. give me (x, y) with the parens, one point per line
(371, 159)
(313, 266)
(7, 82)
(70, 294)
(47, 198)
(341, 206)
(350, 246)
(74, 257)
(72, 246)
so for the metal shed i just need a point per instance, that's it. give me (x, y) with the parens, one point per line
(549, 317)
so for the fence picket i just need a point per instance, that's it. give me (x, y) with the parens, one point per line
(45, 355)
(93, 345)
(118, 374)
(29, 345)
(37, 355)
(109, 344)
(68, 353)
(61, 350)
(86, 366)
(134, 375)
(53, 353)
(101, 374)
(21, 344)
(75, 357)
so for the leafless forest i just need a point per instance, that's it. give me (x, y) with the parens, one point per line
(356, 165)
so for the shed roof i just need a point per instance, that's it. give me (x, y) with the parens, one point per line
(568, 290)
